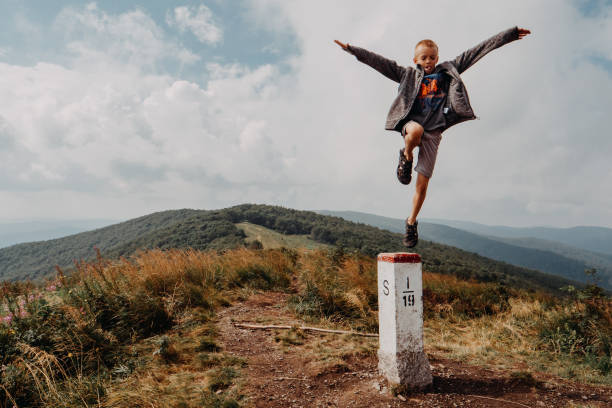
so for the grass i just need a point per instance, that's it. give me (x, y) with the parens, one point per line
(141, 331)
(325, 352)
(337, 288)
(330, 353)
(512, 338)
(270, 239)
(292, 337)
(128, 332)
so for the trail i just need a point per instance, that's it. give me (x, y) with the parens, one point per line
(286, 375)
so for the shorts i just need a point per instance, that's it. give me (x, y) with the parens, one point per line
(428, 151)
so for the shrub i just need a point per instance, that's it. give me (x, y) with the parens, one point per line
(208, 344)
(221, 378)
(166, 350)
(337, 287)
(122, 314)
(212, 400)
(582, 327)
(256, 244)
(18, 386)
(261, 276)
(256, 276)
(469, 299)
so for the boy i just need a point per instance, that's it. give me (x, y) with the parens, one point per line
(431, 98)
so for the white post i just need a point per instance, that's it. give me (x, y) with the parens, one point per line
(401, 358)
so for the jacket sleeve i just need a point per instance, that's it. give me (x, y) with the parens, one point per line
(385, 66)
(469, 57)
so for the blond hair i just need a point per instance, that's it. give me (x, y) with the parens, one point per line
(427, 43)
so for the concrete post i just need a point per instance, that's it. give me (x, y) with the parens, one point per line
(401, 358)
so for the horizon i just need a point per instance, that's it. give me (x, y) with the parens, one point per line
(424, 219)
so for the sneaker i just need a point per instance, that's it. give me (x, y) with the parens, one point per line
(404, 168)
(412, 236)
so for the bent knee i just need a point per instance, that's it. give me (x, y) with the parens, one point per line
(413, 130)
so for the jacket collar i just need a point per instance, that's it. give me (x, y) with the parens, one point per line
(442, 67)
(449, 68)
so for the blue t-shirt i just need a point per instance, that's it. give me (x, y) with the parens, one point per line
(428, 108)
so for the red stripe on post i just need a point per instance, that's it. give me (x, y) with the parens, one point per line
(399, 257)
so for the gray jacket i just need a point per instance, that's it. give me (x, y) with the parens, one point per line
(459, 108)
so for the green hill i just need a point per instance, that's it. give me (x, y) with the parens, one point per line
(546, 256)
(222, 229)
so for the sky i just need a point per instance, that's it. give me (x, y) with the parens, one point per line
(113, 110)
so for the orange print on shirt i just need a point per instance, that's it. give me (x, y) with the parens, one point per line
(430, 88)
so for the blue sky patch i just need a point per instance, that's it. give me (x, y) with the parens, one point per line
(30, 33)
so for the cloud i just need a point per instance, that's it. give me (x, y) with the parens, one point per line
(111, 130)
(7, 135)
(107, 123)
(198, 20)
(132, 37)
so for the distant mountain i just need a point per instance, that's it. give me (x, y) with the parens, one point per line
(570, 264)
(239, 225)
(12, 233)
(593, 239)
(597, 260)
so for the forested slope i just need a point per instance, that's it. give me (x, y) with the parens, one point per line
(216, 229)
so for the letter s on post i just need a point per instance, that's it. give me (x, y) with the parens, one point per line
(386, 287)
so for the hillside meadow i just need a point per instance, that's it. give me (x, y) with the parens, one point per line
(241, 225)
(142, 331)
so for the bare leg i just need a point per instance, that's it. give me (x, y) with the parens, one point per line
(413, 131)
(419, 197)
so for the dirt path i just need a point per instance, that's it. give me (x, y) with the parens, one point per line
(283, 374)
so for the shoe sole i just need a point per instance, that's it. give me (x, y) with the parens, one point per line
(400, 174)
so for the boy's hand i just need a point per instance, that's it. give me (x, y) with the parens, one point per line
(344, 46)
(522, 32)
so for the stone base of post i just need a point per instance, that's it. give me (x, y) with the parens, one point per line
(408, 368)
(401, 358)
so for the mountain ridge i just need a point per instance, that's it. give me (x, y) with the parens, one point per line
(500, 249)
(590, 238)
(217, 229)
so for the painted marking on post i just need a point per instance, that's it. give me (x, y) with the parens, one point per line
(399, 258)
(386, 287)
(408, 299)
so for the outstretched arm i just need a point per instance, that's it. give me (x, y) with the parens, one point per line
(385, 66)
(471, 56)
